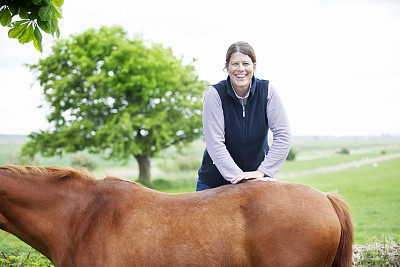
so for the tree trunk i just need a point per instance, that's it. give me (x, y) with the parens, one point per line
(144, 169)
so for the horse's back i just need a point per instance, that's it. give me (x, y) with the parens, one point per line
(250, 224)
(290, 224)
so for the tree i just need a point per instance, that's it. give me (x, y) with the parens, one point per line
(113, 95)
(33, 14)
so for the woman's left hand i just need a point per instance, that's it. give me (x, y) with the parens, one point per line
(252, 176)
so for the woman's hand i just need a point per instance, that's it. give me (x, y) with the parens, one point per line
(252, 176)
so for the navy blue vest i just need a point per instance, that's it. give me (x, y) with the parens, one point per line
(246, 130)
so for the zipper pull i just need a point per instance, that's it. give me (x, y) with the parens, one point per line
(244, 112)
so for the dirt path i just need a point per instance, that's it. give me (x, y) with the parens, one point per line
(339, 167)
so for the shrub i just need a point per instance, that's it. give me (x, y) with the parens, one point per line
(344, 151)
(23, 160)
(292, 154)
(82, 160)
(180, 163)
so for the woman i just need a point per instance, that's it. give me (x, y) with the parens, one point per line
(237, 114)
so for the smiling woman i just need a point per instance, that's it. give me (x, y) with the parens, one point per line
(237, 115)
(241, 67)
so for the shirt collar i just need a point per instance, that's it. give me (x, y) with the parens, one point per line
(244, 97)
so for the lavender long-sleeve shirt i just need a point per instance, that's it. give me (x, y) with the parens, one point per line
(214, 132)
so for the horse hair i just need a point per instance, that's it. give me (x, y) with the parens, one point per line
(55, 172)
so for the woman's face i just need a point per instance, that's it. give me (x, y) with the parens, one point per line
(241, 69)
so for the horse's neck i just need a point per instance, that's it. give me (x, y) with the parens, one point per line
(40, 212)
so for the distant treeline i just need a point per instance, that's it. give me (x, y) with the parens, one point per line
(368, 138)
(13, 139)
(21, 139)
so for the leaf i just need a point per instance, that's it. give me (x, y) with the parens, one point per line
(44, 25)
(37, 40)
(17, 30)
(46, 13)
(37, 45)
(57, 11)
(19, 22)
(5, 16)
(51, 26)
(36, 2)
(34, 15)
(37, 34)
(27, 35)
(58, 3)
(23, 14)
(13, 8)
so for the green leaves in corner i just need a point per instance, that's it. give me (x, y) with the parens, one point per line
(35, 15)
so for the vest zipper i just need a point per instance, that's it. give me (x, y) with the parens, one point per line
(244, 132)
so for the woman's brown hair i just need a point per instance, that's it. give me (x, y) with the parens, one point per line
(241, 47)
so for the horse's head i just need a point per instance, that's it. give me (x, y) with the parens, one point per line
(35, 202)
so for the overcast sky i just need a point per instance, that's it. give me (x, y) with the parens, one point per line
(335, 63)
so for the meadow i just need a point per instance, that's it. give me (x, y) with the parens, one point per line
(365, 172)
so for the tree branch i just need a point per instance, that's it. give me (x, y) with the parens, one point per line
(4, 256)
(26, 258)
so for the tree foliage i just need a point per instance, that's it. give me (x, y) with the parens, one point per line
(110, 94)
(33, 14)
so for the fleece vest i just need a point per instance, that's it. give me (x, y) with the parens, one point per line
(246, 130)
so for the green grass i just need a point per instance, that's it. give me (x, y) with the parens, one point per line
(327, 154)
(14, 252)
(373, 194)
(300, 165)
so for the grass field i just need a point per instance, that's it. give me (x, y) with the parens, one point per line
(373, 194)
(372, 190)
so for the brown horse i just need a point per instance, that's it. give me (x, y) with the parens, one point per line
(76, 220)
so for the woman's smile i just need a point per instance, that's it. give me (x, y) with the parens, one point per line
(241, 69)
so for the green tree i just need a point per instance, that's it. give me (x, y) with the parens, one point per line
(118, 96)
(33, 14)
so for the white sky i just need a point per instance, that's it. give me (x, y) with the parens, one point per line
(335, 63)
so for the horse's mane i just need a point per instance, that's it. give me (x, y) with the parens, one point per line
(54, 172)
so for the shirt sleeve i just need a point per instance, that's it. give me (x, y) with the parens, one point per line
(282, 137)
(214, 133)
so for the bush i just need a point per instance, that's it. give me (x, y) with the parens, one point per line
(292, 154)
(344, 151)
(23, 160)
(82, 160)
(180, 163)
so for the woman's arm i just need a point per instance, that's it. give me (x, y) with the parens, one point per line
(282, 141)
(282, 136)
(214, 133)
